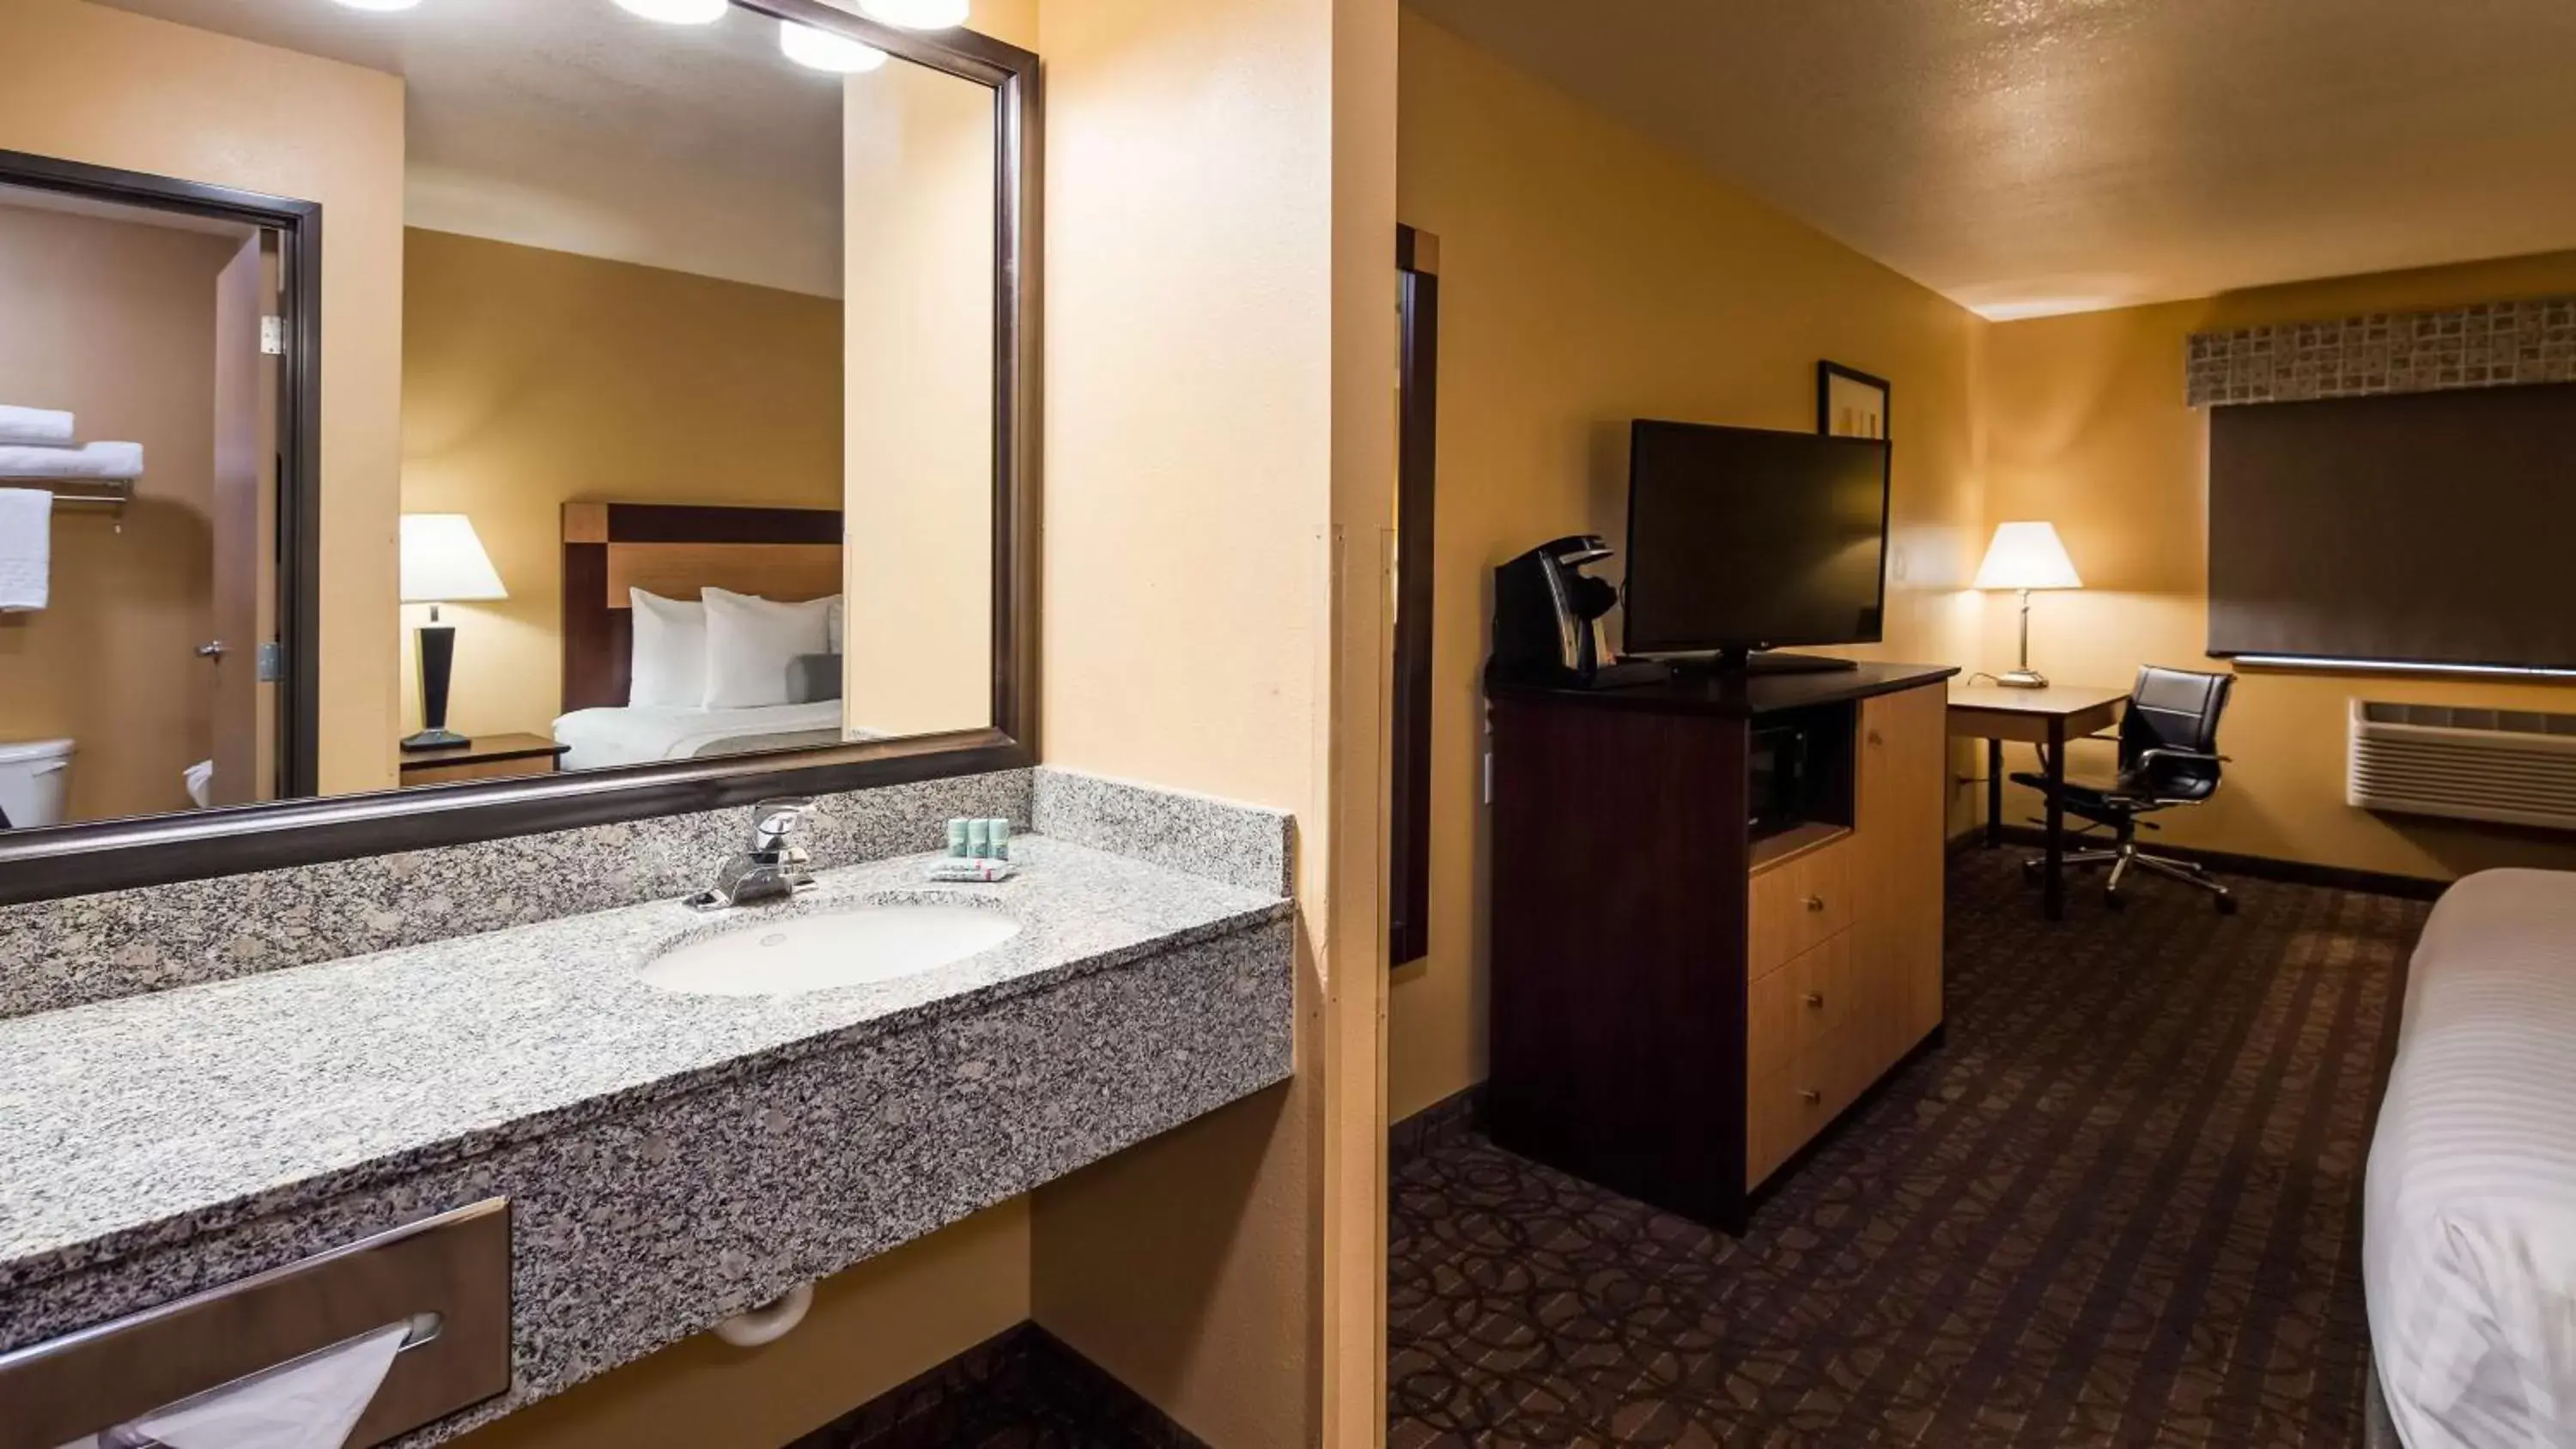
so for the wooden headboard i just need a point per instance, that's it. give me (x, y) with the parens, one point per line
(675, 550)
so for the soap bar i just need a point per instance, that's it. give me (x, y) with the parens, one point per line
(971, 871)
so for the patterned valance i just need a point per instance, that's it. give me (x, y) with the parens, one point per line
(2387, 352)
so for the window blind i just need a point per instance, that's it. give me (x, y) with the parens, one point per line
(2424, 528)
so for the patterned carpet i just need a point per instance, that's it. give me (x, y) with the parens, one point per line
(2119, 1208)
(1020, 1390)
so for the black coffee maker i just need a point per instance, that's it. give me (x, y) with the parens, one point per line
(1548, 620)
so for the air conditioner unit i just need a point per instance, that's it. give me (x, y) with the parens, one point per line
(2513, 767)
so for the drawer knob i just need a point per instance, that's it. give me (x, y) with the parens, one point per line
(1875, 739)
(1810, 1096)
(1815, 903)
(1816, 999)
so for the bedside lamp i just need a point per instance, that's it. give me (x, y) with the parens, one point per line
(2026, 556)
(442, 563)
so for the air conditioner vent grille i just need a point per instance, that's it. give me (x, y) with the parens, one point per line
(2514, 767)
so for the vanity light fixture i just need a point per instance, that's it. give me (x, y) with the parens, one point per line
(678, 12)
(824, 51)
(917, 14)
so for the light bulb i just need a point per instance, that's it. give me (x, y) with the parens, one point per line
(822, 50)
(678, 12)
(917, 14)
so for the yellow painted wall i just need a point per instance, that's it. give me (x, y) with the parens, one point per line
(91, 84)
(871, 1329)
(1588, 278)
(1218, 333)
(115, 321)
(918, 159)
(2087, 428)
(534, 378)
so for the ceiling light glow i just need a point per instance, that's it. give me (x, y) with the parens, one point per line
(917, 14)
(824, 51)
(678, 12)
(380, 4)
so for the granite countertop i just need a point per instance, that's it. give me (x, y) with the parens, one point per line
(143, 1121)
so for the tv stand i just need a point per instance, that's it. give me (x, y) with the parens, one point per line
(1682, 1003)
(1747, 661)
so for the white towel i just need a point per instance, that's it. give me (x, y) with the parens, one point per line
(26, 548)
(103, 462)
(36, 427)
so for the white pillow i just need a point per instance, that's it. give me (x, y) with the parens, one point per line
(839, 626)
(669, 665)
(752, 645)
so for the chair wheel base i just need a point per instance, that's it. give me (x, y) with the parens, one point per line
(2115, 900)
(2227, 905)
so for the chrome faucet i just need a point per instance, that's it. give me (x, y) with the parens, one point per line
(773, 868)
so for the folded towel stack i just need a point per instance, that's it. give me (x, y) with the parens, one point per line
(35, 427)
(91, 463)
(26, 548)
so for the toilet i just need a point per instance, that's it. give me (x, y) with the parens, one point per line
(35, 779)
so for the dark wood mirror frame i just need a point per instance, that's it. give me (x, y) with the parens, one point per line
(1417, 262)
(82, 859)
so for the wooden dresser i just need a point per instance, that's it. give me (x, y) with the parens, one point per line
(1679, 1008)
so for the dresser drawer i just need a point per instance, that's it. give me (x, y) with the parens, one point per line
(1798, 905)
(1790, 1010)
(1785, 1109)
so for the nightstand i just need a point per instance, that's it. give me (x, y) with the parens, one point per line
(484, 757)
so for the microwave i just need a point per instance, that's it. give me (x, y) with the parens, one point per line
(1781, 776)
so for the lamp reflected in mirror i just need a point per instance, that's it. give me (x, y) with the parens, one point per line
(443, 562)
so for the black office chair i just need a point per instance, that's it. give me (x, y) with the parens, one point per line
(2168, 758)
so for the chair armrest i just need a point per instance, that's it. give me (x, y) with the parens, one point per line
(2166, 752)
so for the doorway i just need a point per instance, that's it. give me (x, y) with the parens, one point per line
(160, 381)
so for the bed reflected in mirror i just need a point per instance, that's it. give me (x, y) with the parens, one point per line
(679, 348)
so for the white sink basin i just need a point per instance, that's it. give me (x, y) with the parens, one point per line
(820, 952)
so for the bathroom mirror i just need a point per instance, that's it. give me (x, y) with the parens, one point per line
(518, 415)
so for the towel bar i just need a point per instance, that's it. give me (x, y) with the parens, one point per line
(99, 492)
(448, 1276)
(110, 490)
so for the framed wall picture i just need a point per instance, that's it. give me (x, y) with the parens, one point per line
(1850, 403)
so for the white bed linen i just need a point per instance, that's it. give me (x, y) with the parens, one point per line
(644, 734)
(2469, 1224)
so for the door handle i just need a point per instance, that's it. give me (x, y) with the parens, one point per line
(1816, 999)
(1815, 903)
(212, 649)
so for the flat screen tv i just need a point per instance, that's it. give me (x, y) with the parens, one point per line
(1742, 539)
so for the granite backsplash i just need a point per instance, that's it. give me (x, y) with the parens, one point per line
(82, 949)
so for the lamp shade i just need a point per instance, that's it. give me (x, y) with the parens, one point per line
(444, 563)
(2027, 556)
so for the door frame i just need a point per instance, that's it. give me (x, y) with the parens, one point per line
(299, 426)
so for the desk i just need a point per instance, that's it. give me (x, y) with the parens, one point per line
(2044, 717)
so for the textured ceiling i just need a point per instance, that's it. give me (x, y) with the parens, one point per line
(572, 125)
(2035, 156)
